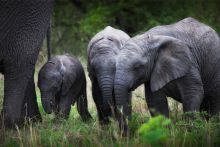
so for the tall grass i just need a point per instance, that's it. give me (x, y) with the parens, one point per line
(73, 132)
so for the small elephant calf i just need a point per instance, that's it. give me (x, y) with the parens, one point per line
(62, 82)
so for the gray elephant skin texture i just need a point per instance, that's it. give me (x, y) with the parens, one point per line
(102, 53)
(181, 60)
(62, 82)
(23, 26)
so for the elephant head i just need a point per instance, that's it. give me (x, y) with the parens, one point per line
(150, 59)
(49, 82)
(102, 52)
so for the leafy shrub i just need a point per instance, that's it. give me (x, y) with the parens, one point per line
(155, 131)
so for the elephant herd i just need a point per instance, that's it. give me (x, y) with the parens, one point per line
(180, 60)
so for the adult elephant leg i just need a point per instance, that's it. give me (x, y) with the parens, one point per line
(16, 81)
(157, 102)
(30, 107)
(25, 25)
(97, 96)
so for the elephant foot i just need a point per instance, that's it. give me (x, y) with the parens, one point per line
(31, 114)
(9, 122)
(18, 123)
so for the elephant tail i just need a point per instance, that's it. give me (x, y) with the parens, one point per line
(49, 42)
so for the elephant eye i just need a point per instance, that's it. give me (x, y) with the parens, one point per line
(110, 39)
(138, 66)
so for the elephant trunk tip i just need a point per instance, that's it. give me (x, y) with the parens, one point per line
(121, 96)
(47, 104)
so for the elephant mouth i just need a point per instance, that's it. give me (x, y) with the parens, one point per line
(136, 85)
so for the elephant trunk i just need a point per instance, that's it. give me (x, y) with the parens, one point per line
(47, 102)
(121, 89)
(106, 85)
(121, 95)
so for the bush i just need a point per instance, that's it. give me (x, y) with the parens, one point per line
(155, 130)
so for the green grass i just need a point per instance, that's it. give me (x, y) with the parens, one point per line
(73, 132)
(144, 131)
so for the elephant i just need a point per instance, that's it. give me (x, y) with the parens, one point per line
(180, 60)
(62, 82)
(102, 52)
(23, 26)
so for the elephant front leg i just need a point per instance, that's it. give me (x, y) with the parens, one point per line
(157, 102)
(191, 104)
(30, 107)
(64, 105)
(192, 93)
(192, 99)
(15, 85)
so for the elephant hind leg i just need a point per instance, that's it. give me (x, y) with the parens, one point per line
(82, 105)
(14, 90)
(17, 76)
(30, 109)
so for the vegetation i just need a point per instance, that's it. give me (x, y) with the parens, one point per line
(74, 23)
(144, 131)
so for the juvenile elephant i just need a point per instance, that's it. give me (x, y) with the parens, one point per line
(102, 51)
(62, 82)
(23, 26)
(181, 60)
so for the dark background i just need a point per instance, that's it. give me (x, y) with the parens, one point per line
(76, 21)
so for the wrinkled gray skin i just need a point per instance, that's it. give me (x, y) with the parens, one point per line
(62, 82)
(181, 60)
(102, 51)
(23, 26)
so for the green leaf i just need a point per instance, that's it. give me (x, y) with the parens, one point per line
(155, 130)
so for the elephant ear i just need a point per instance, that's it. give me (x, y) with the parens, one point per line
(173, 61)
(68, 78)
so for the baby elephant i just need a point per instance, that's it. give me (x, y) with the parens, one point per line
(62, 82)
